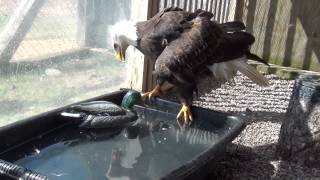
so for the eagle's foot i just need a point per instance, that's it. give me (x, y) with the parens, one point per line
(187, 115)
(154, 93)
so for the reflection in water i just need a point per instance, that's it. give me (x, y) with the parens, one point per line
(148, 149)
(154, 147)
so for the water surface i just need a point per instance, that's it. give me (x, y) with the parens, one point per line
(151, 148)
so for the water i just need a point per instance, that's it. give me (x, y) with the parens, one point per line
(149, 149)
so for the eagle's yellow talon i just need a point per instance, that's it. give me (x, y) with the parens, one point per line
(154, 93)
(187, 115)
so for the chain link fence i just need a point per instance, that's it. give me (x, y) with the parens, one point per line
(53, 30)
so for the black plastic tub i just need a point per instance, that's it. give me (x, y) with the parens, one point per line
(154, 147)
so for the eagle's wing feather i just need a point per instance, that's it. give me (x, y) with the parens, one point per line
(233, 50)
(202, 45)
(233, 26)
(180, 60)
(154, 32)
(166, 26)
(146, 27)
(232, 46)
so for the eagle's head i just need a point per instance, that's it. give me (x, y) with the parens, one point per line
(124, 34)
(120, 46)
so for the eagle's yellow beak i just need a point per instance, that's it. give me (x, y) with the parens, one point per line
(119, 55)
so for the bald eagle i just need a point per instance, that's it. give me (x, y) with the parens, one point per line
(186, 48)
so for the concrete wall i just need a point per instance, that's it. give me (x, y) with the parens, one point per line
(287, 31)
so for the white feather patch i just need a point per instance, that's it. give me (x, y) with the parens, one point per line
(124, 28)
(225, 71)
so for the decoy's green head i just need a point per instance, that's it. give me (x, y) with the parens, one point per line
(130, 99)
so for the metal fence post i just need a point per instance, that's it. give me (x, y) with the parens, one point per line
(17, 27)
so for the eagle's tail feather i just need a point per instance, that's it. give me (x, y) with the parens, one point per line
(250, 72)
(256, 58)
(225, 71)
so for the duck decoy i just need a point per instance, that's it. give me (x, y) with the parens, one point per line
(103, 114)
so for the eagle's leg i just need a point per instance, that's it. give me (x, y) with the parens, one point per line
(154, 93)
(186, 97)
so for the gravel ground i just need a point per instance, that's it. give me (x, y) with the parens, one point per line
(252, 154)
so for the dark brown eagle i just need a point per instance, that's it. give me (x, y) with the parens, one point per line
(188, 47)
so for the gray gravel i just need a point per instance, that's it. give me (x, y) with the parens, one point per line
(252, 153)
(245, 95)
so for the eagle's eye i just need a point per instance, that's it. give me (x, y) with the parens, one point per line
(115, 46)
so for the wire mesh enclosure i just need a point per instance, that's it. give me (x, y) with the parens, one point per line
(53, 29)
(46, 53)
